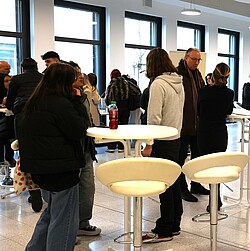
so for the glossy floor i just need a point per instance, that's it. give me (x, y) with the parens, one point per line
(17, 219)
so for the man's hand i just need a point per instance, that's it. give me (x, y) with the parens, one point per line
(147, 151)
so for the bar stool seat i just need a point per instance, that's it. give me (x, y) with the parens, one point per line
(138, 177)
(214, 169)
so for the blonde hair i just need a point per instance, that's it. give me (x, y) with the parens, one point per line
(221, 74)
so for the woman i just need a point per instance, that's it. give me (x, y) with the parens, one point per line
(215, 102)
(49, 134)
(167, 110)
(93, 98)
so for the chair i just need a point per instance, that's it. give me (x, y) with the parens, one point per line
(138, 177)
(214, 169)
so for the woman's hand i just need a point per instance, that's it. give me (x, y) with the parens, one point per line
(147, 151)
(77, 92)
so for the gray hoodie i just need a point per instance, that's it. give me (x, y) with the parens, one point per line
(166, 101)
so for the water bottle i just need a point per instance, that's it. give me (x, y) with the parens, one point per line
(113, 115)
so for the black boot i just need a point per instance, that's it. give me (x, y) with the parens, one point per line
(36, 200)
(197, 188)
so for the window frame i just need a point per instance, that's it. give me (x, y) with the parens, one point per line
(193, 26)
(234, 56)
(101, 74)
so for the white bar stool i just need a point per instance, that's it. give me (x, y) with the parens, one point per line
(214, 169)
(138, 177)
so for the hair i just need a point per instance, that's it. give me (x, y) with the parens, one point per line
(92, 79)
(86, 80)
(3, 91)
(221, 74)
(158, 62)
(187, 53)
(74, 64)
(29, 64)
(208, 75)
(115, 74)
(57, 80)
(50, 54)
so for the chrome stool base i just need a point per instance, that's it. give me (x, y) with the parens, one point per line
(222, 216)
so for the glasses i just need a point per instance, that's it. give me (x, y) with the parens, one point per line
(196, 59)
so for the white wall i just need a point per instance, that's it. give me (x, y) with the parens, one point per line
(43, 33)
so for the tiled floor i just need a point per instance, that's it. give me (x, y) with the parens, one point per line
(17, 219)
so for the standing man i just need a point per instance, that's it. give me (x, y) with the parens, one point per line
(5, 67)
(20, 89)
(49, 58)
(192, 81)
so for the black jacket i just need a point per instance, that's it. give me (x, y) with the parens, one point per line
(20, 88)
(49, 142)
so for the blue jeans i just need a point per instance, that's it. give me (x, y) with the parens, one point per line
(86, 191)
(58, 224)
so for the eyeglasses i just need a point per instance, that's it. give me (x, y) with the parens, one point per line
(196, 59)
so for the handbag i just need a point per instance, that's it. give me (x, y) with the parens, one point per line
(133, 99)
(22, 180)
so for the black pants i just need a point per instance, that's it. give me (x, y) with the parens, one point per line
(171, 203)
(187, 141)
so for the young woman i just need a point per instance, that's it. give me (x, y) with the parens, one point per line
(215, 102)
(49, 134)
(167, 110)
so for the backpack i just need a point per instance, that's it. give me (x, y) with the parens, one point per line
(246, 96)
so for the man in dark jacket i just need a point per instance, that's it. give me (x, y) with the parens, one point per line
(20, 89)
(192, 81)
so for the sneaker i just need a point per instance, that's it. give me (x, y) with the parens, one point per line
(120, 150)
(110, 150)
(176, 233)
(154, 238)
(89, 231)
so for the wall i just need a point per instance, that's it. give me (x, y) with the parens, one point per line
(43, 38)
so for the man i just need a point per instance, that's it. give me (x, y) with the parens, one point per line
(192, 81)
(49, 58)
(4, 67)
(20, 88)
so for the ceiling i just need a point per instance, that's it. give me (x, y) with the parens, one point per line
(238, 7)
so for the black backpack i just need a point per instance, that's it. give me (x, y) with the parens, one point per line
(246, 96)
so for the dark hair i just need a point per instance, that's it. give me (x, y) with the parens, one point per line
(29, 64)
(115, 74)
(57, 80)
(158, 62)
(50, 54)
(74, 64)
(92, 79)
(208, 75)
(221, 74)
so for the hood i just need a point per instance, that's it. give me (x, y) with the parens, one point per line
(173, 80)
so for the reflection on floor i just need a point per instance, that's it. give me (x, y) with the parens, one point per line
(17, 219)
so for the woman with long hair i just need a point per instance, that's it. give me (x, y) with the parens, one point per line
(49, 136)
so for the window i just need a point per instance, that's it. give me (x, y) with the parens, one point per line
(228, 52)
(190, 35)
(14, 32)
(142, 33)
(81, 38)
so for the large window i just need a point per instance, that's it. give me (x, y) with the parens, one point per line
(142, 33)
(190, 35)
(14, 32)
(81, 38)
(228, 52)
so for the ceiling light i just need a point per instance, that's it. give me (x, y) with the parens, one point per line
(191, 11)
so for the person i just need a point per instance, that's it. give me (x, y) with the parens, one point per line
(4, 67)
(192, 82)
(93, 96)
(87, 182)
(208, 79)
(49, 135)
(6, 125)
(144, 104)
(214, 104)
(119, 90)
(167, 86)
(20, 89)
(50, 57)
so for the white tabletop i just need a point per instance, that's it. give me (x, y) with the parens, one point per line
(240, 113)
(133, 132)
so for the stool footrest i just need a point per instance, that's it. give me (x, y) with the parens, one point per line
(222, 216)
